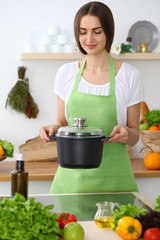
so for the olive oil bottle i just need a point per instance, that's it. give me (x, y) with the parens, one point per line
(19, 177)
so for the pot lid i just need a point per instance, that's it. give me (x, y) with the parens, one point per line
(79, 128)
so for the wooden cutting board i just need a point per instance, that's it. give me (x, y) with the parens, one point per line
(93, 232)
(37, 150)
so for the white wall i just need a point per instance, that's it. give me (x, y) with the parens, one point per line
(20, 18)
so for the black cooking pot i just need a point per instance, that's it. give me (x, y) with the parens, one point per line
(79, 146)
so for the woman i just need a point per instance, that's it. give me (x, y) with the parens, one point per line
(108, 94)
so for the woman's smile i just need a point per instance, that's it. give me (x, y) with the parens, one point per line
(90, 46)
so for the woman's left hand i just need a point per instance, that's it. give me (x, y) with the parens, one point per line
(119, 134)
(128, 134)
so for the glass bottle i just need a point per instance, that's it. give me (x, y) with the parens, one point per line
(19, 177)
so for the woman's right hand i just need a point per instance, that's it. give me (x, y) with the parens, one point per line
(51, 130)
(46, 131)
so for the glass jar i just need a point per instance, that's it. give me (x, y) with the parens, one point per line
(104, 215)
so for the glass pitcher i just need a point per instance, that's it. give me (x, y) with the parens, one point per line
(104, 215)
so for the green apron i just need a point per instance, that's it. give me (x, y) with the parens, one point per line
(115, 172)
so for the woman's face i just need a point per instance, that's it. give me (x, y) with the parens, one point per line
(91, 35)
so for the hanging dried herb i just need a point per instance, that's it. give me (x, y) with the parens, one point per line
(20, 99)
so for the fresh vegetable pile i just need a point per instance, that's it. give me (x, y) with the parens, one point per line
(22, 219)
(132, 222)
(150, 119)
(128, 210)
(6, 148)
(150, 138)
(27, 219)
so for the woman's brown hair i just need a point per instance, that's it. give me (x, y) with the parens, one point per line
(105, 16)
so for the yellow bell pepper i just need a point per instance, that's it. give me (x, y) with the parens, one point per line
(129, 228)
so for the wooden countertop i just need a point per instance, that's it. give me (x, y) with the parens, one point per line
(39, 171)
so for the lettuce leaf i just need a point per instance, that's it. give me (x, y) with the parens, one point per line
(8, 148)
(157, 204)
(27, 219)
(153, 117)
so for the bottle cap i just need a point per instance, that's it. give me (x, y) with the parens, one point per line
(19, 156)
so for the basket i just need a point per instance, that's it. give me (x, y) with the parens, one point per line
(150, 139)
(2, 158)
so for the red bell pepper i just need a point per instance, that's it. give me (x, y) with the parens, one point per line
(159, 126)
(65, 218)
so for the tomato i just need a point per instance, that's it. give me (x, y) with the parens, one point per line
(73, 231)
(152, 234)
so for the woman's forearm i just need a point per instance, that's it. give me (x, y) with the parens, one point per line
(60, 124)
(133, 136)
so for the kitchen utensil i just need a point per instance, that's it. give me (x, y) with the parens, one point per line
(44, 48)
(104, 215)
(144, 47)
(56, 48)
(139, 33)
(63, 39)
(79, 146)
(53, 30)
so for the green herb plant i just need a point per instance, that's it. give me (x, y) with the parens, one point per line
(22, 219)
(126, 48)
(19, 97)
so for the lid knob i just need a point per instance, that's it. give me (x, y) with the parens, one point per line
(79, 122)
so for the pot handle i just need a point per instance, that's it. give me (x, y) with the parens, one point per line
(53, 138)
(105, 139)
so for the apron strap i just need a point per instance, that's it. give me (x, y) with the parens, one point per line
(79, 75)
(112, 76)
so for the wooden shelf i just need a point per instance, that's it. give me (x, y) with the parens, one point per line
(61, 56)
(138, 56)
(50, 56)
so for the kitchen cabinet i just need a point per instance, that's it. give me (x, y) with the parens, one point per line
(67, 56)
(41, 175)
(45, 170)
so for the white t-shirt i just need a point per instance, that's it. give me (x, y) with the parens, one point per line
(129, 88)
